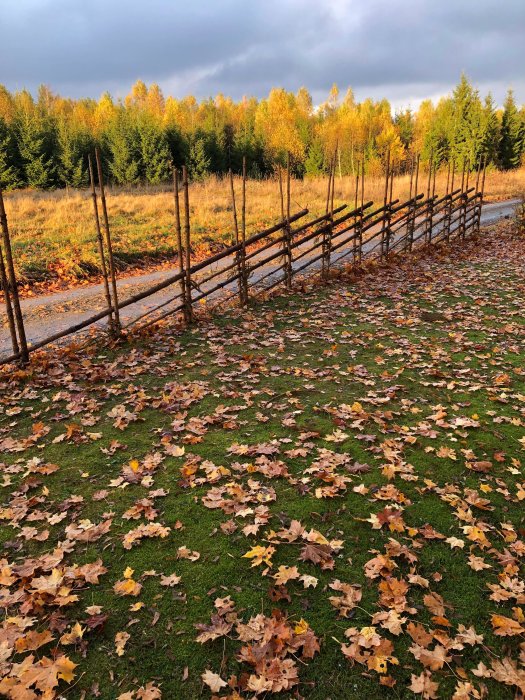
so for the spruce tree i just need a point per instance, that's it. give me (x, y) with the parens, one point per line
(36, 140)
(466, 137)
(154, 151)
(490, 131)
(10, 174)
(511, 144)
(123, 146)
(74, 146)
(198, 160)
(314, 163)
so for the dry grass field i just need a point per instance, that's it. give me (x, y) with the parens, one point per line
(54, 236)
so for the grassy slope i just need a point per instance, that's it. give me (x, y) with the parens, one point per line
(439, 333)
(54, 238)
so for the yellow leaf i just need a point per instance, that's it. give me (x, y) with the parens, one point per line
(301, 627)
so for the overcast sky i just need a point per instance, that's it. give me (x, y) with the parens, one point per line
(404, 50)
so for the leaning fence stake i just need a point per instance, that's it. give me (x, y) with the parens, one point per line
(451, 203)
(385, 200)
(389, 214)
(187, 243)
(236, 232)
(287, 230)
(8, 305)
(361, 213)
(354, 257)
(100, 244)
(481, 193)
(180, 254)
(108, 243)
(11, 279)
(243, 234)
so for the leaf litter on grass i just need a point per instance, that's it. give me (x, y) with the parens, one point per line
(317, 498)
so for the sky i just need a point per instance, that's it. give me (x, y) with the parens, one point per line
(404, 50)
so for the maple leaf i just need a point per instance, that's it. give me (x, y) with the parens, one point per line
(260, 554)
(424, 685)
(127, 587)
(213, 681)
(31, 641)
(506, 626)
(149, 692)
(74, 636)
(121, 639)
(285, 574)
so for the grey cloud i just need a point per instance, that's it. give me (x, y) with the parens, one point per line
(401, 49)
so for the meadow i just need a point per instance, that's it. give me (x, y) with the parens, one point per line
(54, 235)
(326, 504)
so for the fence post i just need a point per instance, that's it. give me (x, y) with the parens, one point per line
(116, 326)
(11, 282)
(288, 230)
(180, 253)
(8, 306)
(429, 210)
(412, 205)
(385, 214)
(431, 222)
(243, 234)
(361, 213)
(354, 254)
(481, 193)
(100, 244)
(187, 244)
(389, 215)
(462, 205)
(450, 209)
(236, 232)
(414, 216)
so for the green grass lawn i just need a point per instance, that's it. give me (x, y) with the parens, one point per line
(371, 433)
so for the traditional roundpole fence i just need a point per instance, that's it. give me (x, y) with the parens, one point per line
(276, 255)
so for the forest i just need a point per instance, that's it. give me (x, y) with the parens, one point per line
(44, 142)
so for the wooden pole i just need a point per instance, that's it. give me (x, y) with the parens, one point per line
(330, 230)
(236, 232)
(451, 203)
(385, 200)
(8, 305)
(481, 193)
(414, 213)
(287, 230)
(431, 204)
(180, 251)
(100, 244)
(243, 233)
(462, 197)
(187, 243)
(410, 219)
(11, 279)
(356, 215)
(429, 201)
(281, 192)
(109, 246)
(361, 215)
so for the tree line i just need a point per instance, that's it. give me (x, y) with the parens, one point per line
(44, 142)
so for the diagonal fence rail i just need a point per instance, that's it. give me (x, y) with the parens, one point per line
(253, 266)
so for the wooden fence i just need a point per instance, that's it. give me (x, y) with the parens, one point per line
(252, 266)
